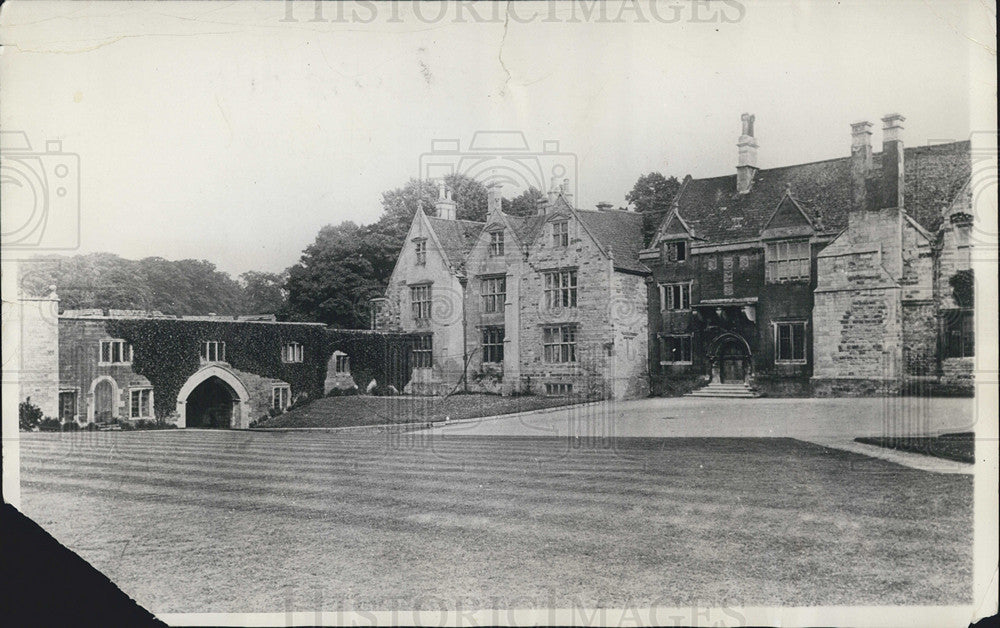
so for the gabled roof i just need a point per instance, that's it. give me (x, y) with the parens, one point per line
(674, 225)
(457, 237)
(619, 231)
(822, 190)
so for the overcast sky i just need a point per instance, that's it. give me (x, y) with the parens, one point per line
(233, 131)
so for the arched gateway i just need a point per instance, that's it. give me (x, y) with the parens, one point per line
(213, 397)
(730, 359)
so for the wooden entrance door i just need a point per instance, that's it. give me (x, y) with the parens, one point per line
(104, 401)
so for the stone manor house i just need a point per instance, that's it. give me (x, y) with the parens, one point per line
(840, 276)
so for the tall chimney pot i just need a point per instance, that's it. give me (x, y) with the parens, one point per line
(861, 165)
(892, 160)
(445, 205)
(747, 146)
(494, 199)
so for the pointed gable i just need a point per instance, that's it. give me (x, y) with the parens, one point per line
(456, 238)
(788, 220)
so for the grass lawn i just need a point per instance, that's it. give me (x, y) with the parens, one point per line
(960, 447)
(367, 410)
(266, 521)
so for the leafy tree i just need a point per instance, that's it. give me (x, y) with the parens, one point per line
(652, 195)
(333, 280)
(524, 204)
(653, 192)
(263, 293)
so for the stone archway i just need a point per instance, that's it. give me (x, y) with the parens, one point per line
(103, 399)
(731, 359)
(213, 397)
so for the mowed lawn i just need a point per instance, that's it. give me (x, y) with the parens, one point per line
(355, 410)
(273, 521)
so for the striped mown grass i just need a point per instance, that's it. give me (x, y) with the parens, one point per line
(247, 521)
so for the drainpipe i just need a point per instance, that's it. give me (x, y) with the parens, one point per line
(464, 282)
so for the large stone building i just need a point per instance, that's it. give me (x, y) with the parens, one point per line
(554, 303)
(840, 276)
(829, 277)
(96, 366)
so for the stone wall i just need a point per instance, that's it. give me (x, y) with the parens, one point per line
(447, 295)
(501, 378)
(631, 328)
(589, 375)
(37, 352)
(80, 369)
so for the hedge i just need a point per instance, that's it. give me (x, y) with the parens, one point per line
(167, 352)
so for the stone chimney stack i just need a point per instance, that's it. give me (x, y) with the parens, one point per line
(746, 167)
(892, 160)
(540, 206)
(861, 165)
(564, 189)
(495, 199)
(445, 206)
(554, 189)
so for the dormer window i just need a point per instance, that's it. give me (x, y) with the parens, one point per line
(496, 244)
(560, 233)
(675, 251)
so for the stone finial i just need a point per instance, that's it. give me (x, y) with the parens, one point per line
(748, 120)
(861, 133)
(892, 127)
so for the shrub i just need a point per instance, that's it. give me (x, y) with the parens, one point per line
(70, 426)
(29, 415)
(342, 392)
(50, 425)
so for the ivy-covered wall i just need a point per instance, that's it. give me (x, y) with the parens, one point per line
(167, 352)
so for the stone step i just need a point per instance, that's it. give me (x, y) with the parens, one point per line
(727, 395)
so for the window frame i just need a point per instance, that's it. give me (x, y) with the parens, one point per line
(420, 251)
(341, 363)
(281, 396)
(76, 404)
(220, 351)
(132, 412)
(779, 252)
(122, 346)
(561, 288)
(492, 341)
(668, 298)
(420, 309)
(676, 251)
(493, 301)
(496, 248)
(689, 338)
(292, 353)
(777, 325)
(960, 324)
(560, 233)
(558, 389)
(423, 352)
(559, 343)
